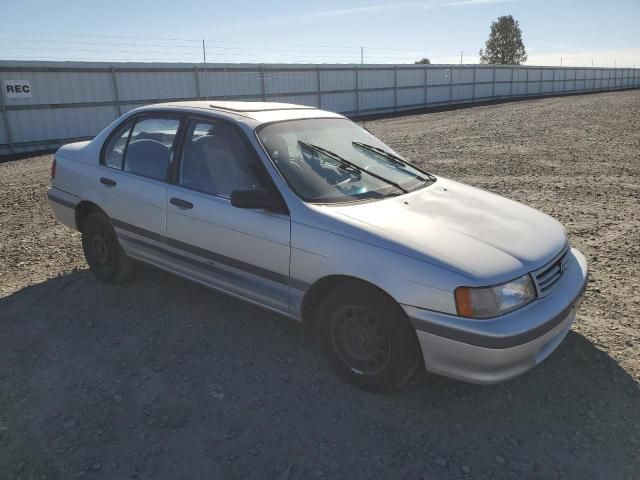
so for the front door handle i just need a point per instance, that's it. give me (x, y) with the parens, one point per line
(108, 182)
(178, 202)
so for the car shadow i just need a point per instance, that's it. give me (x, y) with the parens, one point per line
(162, 378)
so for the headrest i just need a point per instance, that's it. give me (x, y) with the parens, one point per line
(147, 148)
(277, 148)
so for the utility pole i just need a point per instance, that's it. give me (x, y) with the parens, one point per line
(560, 61)
(461, 52)
(361, 55)
(204, 61)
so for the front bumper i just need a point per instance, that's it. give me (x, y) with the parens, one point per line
(494, 350)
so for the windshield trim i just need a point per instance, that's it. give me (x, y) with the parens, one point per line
(339, 200)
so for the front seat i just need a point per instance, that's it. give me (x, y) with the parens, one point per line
(148, 158)
(223, 167)
(277, 149)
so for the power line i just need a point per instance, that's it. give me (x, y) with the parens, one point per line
(209, 46)
(246, 53)
(197, 54)
(90, 47)
(221, 50)
(97, 36)
(356, 49)
(75, 42)
(92, 50)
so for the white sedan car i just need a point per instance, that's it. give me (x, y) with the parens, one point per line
(303, 212)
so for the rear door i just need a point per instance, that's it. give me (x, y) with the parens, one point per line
(134, 180)
(244, 252)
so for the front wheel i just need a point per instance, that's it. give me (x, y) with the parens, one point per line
(102, 250)
(367, 338)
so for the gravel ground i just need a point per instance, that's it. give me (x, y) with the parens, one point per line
(160, 378)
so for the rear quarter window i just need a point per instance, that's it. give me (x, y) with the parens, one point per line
(114, 151)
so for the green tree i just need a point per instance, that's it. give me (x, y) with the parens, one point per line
(423, 61)
(504, 46)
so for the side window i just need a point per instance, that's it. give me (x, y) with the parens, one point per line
(215, 160)
(149, 148)
(114, 152)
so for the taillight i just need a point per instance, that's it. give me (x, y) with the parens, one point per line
(53, 168)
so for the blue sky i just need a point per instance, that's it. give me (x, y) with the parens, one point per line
(318, 32)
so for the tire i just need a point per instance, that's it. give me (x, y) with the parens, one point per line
(102, 251)
(367, 338)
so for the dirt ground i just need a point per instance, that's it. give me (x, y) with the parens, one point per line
(160, 378)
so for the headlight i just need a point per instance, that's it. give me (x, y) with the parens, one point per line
(487, 302)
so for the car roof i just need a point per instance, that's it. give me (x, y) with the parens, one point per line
(259, 112)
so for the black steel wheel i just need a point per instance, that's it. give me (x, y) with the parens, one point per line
(102, 249)
(103, 252)
(361, 339)
(367, 338)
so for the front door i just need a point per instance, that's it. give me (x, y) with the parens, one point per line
(241, 251)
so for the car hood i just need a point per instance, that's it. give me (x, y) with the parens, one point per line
(487, 237)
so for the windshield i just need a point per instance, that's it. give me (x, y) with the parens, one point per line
(334, 160)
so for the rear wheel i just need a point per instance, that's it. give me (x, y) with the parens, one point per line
(102, 250)
(367, 338)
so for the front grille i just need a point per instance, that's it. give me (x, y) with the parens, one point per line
(548, 277)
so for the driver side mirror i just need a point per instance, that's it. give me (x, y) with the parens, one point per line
(256, 199)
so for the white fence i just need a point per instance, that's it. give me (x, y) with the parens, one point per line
(67, 101)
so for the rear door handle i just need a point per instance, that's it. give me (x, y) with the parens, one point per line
(108, 182)
(178, 202)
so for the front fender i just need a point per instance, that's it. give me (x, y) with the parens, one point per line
(317, 253)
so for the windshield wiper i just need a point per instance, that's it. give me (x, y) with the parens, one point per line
(393, 158)
(346, 163)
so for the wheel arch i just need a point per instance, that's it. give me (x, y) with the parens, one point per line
(83, 210)
(320, 288)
